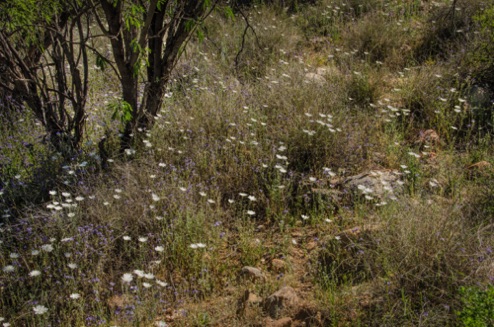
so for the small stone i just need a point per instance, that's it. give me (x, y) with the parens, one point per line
(282, 322)
(311, 245)
(253, 298)
(315, 78)
(285, 297)
(252, 272)
(278, 265)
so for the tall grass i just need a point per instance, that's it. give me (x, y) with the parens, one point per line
(231, 175)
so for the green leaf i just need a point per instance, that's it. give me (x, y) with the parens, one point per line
(200, 34)
(229, 13)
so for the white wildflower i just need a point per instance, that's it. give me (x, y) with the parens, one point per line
(40, 309)
(47, 247)
(127, 278)
(34, 273)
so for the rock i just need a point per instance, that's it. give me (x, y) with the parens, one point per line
(311, 245)
(278, 265)
(252, 273)
(284, 298)
(282, 322)
(315, 78)
(383, 184)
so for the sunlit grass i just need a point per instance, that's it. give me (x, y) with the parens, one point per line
(247, 165)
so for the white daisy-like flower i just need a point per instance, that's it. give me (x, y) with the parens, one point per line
(155, 197)
(8, 269)
(72, 265)
(127, 278)
(75, 296)
(252, 198)
(146, 285)
(53, 192)
(47, 247)
(251, 213)
(231, 201)
(34, 252)
(327, 220)
(149, 276)
(183, 189)
(243, 194)
(305, 217)
(161, 283)
(71, 215)
(197, 245)
(202, 194)
(34, 273)
(159, 248)
(127, 238)
(79, 198)
(211, 201)
(143, 239)
(40, 309)
(66, 195)
(139, 273)
(14, 255)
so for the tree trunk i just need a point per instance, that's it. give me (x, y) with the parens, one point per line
(129, 95)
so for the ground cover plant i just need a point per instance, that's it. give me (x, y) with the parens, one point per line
(317, 163)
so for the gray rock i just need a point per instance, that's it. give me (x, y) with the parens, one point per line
(382, 184)
(286, 297)
(315, 78)
(252, 272)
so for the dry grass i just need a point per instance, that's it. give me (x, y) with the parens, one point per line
(226, 179)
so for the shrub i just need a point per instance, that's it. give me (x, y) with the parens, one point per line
(477, 306)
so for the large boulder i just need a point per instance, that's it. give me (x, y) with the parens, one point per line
(381, 184)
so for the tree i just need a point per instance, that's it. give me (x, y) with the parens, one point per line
(45, 51)
(150, 34)
(46, 64)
